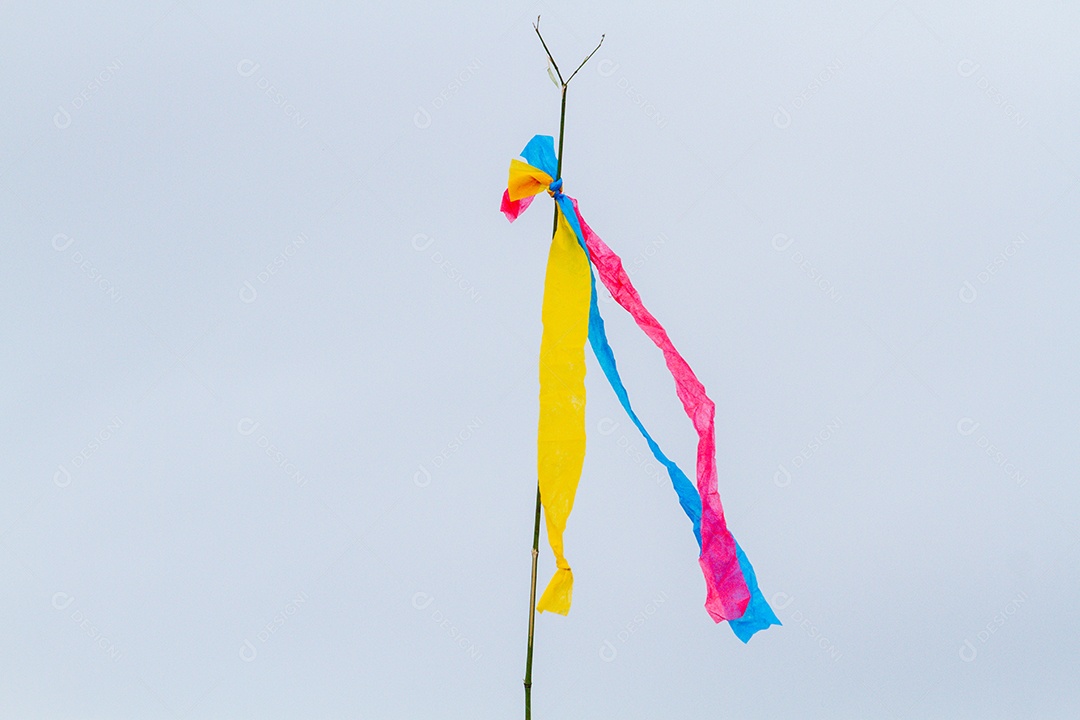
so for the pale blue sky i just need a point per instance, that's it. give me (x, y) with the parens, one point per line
(270, 358)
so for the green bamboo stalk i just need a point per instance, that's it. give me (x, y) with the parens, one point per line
(554, 229)
(532, 610)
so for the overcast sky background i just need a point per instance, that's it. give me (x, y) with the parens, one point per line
(269, 369)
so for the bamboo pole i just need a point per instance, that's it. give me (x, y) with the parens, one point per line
(554, 229)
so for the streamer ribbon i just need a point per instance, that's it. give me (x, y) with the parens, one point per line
(571, 314)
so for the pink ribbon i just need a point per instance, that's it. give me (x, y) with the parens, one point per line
(728, 594)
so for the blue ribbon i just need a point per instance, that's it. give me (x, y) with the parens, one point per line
(540, 153)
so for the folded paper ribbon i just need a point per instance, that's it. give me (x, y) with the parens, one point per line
(732, 590)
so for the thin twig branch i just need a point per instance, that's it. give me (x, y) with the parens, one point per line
(564, 83)
(586, 59)
(536, 27)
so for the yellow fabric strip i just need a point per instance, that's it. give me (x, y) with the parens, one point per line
(561, 443)
(525, 180)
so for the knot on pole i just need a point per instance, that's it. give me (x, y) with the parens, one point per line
(555, 189)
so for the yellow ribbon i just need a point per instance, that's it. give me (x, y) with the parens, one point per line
(561, 437)
(561, 440)
(526, 180)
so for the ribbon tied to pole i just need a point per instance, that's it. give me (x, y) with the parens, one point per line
(571, 317)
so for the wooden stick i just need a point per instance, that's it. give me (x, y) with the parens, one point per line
(554, 229)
